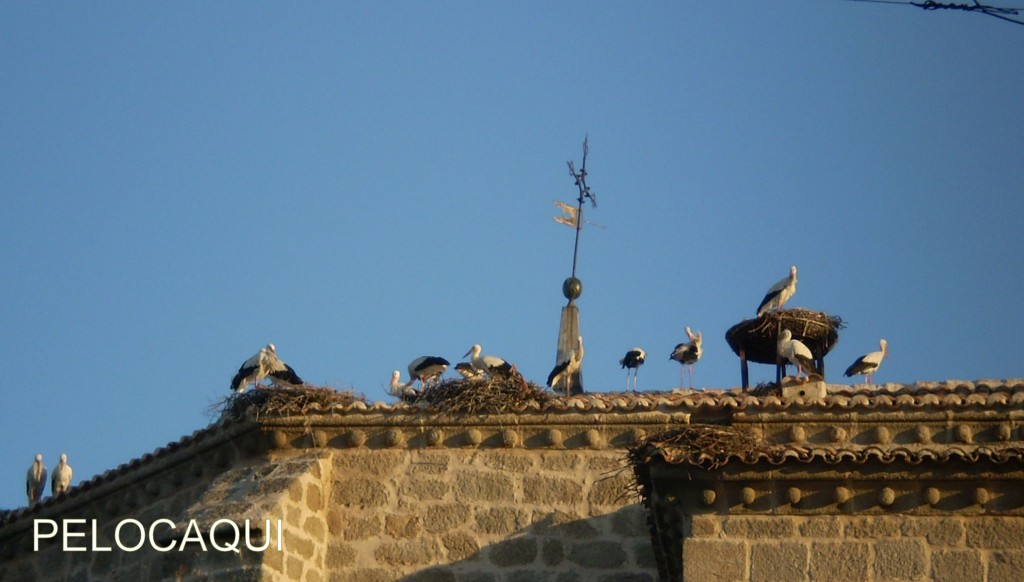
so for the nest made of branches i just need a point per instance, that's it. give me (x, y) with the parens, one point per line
(758, 337)
(494, 395)
(702, 445)
(765, 389)
(264, 401)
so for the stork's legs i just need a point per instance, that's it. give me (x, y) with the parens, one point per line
(682, 374)
(634, 370)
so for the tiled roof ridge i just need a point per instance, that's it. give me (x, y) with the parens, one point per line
(909, 454)
(953, 394)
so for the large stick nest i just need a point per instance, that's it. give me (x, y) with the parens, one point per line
(494, 395)
(702, 445)
(758, 337)
(283, 401)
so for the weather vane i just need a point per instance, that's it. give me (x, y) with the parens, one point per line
(585, 193)
(569, 338)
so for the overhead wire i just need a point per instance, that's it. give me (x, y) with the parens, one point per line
(1000, 12)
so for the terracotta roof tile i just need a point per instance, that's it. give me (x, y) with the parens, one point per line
(887, 455)
(956, 443)
(951, 393)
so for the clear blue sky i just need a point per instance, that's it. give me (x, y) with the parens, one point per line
(362, 184)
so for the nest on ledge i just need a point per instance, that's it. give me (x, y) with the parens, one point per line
(494, 395)
(282, 401)
(758, 337)
(702, 445)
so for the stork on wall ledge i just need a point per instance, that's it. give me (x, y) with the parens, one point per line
(868, 364)
(564, 370)
(632, 361)
(688, 354)
(797, 353)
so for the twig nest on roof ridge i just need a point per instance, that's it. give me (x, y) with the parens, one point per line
(283, 401)
(498, 394)
(758, 337)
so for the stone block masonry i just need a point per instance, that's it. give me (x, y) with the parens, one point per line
(368, 493)
(922, 483)
(470, 514)
(909, 484)
(841, 548)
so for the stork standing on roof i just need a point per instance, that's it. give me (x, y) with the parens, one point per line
(797, 353)
(487, 364)
(564, 370)
(688, 354)
(35, 482)
(778, 294)
(633, 359)
(262, 365)
(61, 479)
(427, 369)
(868, 364)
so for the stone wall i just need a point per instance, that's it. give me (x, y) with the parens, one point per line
(924, 484)
(206, 476)
(485, 515)
(536, 495)
(378, 493)
(843, 548)
(904, 483)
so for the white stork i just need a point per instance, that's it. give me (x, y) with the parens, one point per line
(427, 369)
(688, 354)
(633, 359)
(467, 371)
(868, 363)
(265, 363)
(397, 389)
(35, 482)
(487, 364)
(61, 479)
(797, 353)
(564, 370)
(779, 294)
